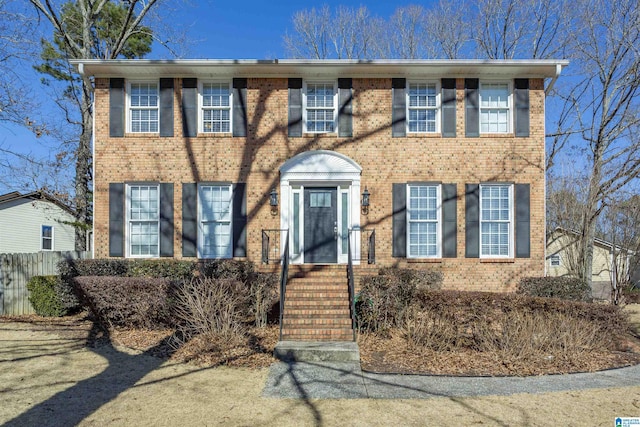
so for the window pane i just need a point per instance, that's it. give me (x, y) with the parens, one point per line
(345, 223)
(422, 107)
(215, 219)
(216, 111)
(423, 220)
(296, 223)
(495, 216)
(320, 107)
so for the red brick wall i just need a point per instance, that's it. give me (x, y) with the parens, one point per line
(384, 160)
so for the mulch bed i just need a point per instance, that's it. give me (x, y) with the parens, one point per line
(389, 355)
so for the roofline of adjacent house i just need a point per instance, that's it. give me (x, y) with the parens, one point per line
(596, 240)
(34, 195)
(318, 68)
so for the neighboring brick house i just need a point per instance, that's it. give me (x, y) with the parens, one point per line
(187, 154)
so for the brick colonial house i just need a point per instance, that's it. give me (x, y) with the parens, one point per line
(233, 158)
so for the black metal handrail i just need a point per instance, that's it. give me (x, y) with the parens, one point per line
(284, 275)
(271, 244)
(366, 241)
(351, 281)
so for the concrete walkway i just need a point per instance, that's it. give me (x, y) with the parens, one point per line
(333, 380)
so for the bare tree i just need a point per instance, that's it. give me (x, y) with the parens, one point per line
(604, 46)
(79, 33)
(407, 32)
(311, 34)
(446, 27)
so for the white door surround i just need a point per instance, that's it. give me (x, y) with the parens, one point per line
(319, 168)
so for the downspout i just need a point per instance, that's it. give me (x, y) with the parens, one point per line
(93, 155)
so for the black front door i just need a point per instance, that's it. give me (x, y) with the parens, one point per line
(320, 225)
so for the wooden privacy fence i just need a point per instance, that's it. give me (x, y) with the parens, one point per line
(17, 269)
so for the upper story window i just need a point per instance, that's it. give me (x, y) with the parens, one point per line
(423, 218)
(555, 260)
(47, 237)
(496, 220)
(422, 107)
(143, 107)
(320, 107)
(495, 108)
(143, 220)
(215, 102)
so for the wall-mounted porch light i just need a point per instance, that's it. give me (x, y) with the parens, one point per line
(365, 201)
(273, 201)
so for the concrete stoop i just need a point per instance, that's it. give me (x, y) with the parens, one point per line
(314, 351)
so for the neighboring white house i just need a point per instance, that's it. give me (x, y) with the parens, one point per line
(35, 222)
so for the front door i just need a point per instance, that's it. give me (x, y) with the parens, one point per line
(321, 225)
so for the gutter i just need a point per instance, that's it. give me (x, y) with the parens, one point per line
(553, 79)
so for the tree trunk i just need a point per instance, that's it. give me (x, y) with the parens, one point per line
(83, 168)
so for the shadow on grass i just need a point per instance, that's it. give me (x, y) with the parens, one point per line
(123, 372)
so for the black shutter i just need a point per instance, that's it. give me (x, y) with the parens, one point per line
(345, 113)
(449, 221)
(449, 107)
(472, 107)
(166, 219)
(166, 107)
(521, 95)
(399, 195)
(399, 109)
(116, 108)
(523, 226)
(472, 220)
(189, 107)
(116, 219)
(295, 107)
(239, 107)
(189, 219)
(240, 219)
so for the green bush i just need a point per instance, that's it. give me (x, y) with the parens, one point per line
(567, 288)
(226, 269)
(45, 297)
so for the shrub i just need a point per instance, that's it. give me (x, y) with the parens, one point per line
(167, 268)
(226, 269)
(631, 295)
(384, 300)
(264, 294)
(568, 288)
(128, 302)
(514, 324)
(213, 309)
(44, 296)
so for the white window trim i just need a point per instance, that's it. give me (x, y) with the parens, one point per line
(42, 237)
(335, 106)
(511, 220)
(129, 107)
(438, 219)
(510, 114)
(229, 253)
(128, 218)
(437, 108)
(201, 84)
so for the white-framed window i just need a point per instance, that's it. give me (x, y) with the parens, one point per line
(554, 260)
(215, 107)
(496, 220)
(495, 107)
(424, 221)
(215, 228)
(423, 103)
(143, 220)
(46, 237)
(144, 111)
(320, 111)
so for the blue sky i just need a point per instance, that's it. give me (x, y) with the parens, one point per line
(249, 29)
